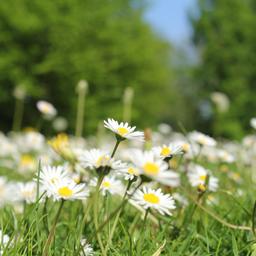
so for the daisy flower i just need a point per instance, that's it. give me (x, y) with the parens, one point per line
(225, 156)
(27, 163)
(95, 158)
(6, 191)
(202, 139)
(130, 172)
(168, 151)
(109, 184)
(253, 123)
(47, 109)
(67, 189)
(180, 199)
(27, 192)
(51, 175)
(154, 199)
(123, 130)
(30, 141)
(185, 146)
(61, 145)
(197, 176)
(87, 249)
(4, 241)
(155, 168)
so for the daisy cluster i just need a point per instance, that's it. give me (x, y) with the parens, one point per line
(150, 171)
(70, 170)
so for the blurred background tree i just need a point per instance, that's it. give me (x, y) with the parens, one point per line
(48, 46)
(224, 34)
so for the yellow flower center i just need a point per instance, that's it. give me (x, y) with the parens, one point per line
(185, 147)
(151, 198)
(28, 193)
(102, 160)
(165, 151)
(202, 140)
(122, 131)
(65, 192)
(46, 108)
(26, 160)
(106, 184)
(151, 168)
(60, 142)
(132, 171)
(53, 180)
(202, 177)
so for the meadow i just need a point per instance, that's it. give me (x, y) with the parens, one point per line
(126, 192)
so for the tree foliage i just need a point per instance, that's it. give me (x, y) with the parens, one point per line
(48, 46)
(224, 32)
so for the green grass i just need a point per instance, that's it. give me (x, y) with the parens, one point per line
(180, 234)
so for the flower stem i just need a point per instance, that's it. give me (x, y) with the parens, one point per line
(52, 231)
(216, 217)
(117, 218)
(80, 113)
(45, 217)
(142, 237)
(95, 213)
(115, 148)
(145, 219)
(112, 215)
(127, 104)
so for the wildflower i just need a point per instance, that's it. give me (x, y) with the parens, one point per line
(180, 199)
(60, 124)
(61, 146)
(253, 123)
(87, 249)
(154, 199)
(19, 92)
(4, 241)
(185, 146)
(249, 141)
(6, 191)
(30, 141)
(51, 175)
(98, 159)
(27, 163)
(67, 189)
(112, 185)
(225, 157)
(202, 139)
(164, 128)
(198, 176)
(130, 172)
(8, 148)
(47, 109)
(123, 130)
(155, 168)
(168, 151)
(221, 101)
(27, 192)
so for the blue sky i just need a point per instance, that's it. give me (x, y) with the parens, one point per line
(169, 18)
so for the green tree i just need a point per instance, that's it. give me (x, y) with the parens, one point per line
(48, 46)
(224, 33)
